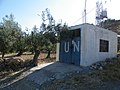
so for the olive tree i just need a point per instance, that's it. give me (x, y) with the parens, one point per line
(9, 33)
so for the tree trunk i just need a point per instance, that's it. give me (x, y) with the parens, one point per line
(35, 58)
(3, 53)
(48, 55)
(32, 52)
(4, 60)
(19, 53)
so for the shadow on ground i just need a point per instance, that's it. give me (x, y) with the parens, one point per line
(33, 78)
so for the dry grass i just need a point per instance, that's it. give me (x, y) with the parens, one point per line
(15, 63)
(89, 81)
(27, 57)
(110, 72)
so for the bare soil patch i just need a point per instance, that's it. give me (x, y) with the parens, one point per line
(14, 66)
(107, 78)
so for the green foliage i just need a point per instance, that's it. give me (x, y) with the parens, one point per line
(110, 72)
(12, 65)
(4, 42)
(12, 39)
(37, 39)
(10, 33)
(111, 24)
(65, 34)
(62, 32)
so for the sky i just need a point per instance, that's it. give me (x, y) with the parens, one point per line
(69, 11)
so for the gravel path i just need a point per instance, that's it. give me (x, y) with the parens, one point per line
(22, 85)
(35, 77)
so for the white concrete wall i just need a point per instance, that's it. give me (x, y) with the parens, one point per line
(57, 51)
(90, 37)
(90, 41)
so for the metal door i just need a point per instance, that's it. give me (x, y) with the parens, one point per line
(65, 51)
(70, 49)
(75, 51)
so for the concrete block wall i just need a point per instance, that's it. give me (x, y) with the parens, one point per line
(90, 43)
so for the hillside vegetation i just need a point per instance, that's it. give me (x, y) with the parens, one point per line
(98, 79)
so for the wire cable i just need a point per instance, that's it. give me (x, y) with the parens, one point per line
(84, 16)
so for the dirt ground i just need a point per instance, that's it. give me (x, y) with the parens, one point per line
(12, 71)
(59, 76)
(22, 85)
(78, 80)
(28, 56)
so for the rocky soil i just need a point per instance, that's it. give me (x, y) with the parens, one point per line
(103, 75)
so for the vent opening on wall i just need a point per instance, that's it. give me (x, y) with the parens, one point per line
(75, 33)
(104, 46)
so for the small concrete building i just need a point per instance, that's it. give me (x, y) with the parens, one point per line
(88, 44)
